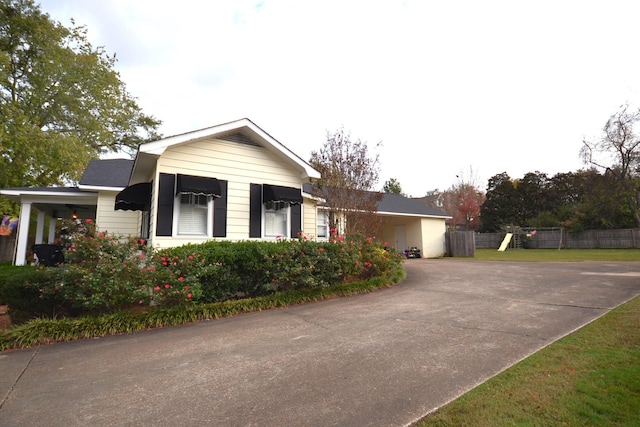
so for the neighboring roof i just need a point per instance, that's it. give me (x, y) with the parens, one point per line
(433, 200)
(395, 204)
(243, 130)
(106, 173)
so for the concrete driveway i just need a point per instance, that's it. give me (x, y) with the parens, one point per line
(384, 359)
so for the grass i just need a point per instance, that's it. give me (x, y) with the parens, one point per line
(550, 255)
(588, 378)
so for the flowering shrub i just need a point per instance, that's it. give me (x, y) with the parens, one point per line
(250, 268)
(105, 273)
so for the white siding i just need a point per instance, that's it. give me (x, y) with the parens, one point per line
(115, 222)
(309, 218)
(238, 164)
(427, 234)
(433, 237)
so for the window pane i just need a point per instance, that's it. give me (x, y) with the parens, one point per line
(193, 214)
(323, 220)
(276, 219)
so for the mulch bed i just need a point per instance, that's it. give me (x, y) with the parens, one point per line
(5, 320)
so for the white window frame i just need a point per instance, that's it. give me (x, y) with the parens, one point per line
(285, 235)
(176, 217)
(321, 213)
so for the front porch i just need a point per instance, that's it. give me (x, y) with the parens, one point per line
(50, 205)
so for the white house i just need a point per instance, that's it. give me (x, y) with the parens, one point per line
(232, 181)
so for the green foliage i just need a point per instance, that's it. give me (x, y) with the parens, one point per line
(564, 255)
(106, 274)
(588, 378)
(228, 270)
(578, 201)
(6, 272)
(617, 154)
(61, 101)
(103, 274)
(47, 330)
(392, 186)
(34, 292)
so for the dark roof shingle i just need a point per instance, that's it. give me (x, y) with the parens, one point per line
(394, 203)
(107, 173)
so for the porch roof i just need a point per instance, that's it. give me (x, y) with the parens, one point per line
(56, 202)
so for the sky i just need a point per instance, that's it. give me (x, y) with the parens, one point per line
(453, 90)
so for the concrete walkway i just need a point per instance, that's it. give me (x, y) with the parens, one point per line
(383, 359)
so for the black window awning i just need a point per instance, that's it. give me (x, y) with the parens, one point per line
(136, 197)
(198, 185)
(276, 193)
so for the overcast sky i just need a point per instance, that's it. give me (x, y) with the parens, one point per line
(446, 86)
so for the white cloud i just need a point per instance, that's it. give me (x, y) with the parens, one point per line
(496, 85)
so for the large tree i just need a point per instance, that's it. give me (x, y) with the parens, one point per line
(349, 175)
(61, 101)
(577, 200)
(501, 205)
(617, 154)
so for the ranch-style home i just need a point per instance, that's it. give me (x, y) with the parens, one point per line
(232, 181)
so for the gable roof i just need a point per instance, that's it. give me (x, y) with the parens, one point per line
(106, 173)
(242, 131)
(394, 204)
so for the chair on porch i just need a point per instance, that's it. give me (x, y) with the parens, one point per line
(48, 255)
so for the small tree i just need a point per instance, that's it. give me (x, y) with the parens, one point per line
(392, 186)
(463, 201)
(349, 174)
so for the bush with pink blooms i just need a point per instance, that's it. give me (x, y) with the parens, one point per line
(105, 273)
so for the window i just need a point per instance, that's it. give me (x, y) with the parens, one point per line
(274, 211)
(144, 224)
(186, 206)
(276, 219)
(323, 225)
(193, 214)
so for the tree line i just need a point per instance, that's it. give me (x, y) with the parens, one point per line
(62, 103)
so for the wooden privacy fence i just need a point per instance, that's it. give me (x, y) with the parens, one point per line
(461, 243)
(560, 238)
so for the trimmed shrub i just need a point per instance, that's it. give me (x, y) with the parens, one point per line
(33, 293)
(106, 274)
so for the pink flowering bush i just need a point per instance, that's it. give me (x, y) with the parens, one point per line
(104, 273)
(230, 270)
(174, 279)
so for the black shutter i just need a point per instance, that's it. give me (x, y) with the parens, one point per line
(255, 210)
(220, 211)
(296, 220)
(164, 217)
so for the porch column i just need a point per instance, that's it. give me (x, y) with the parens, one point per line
(23, 233)
(52, 230)
(40, 228)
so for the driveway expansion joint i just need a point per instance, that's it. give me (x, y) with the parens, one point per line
(13, 385)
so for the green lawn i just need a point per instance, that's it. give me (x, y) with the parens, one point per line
(589, 378)
(547, 255)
